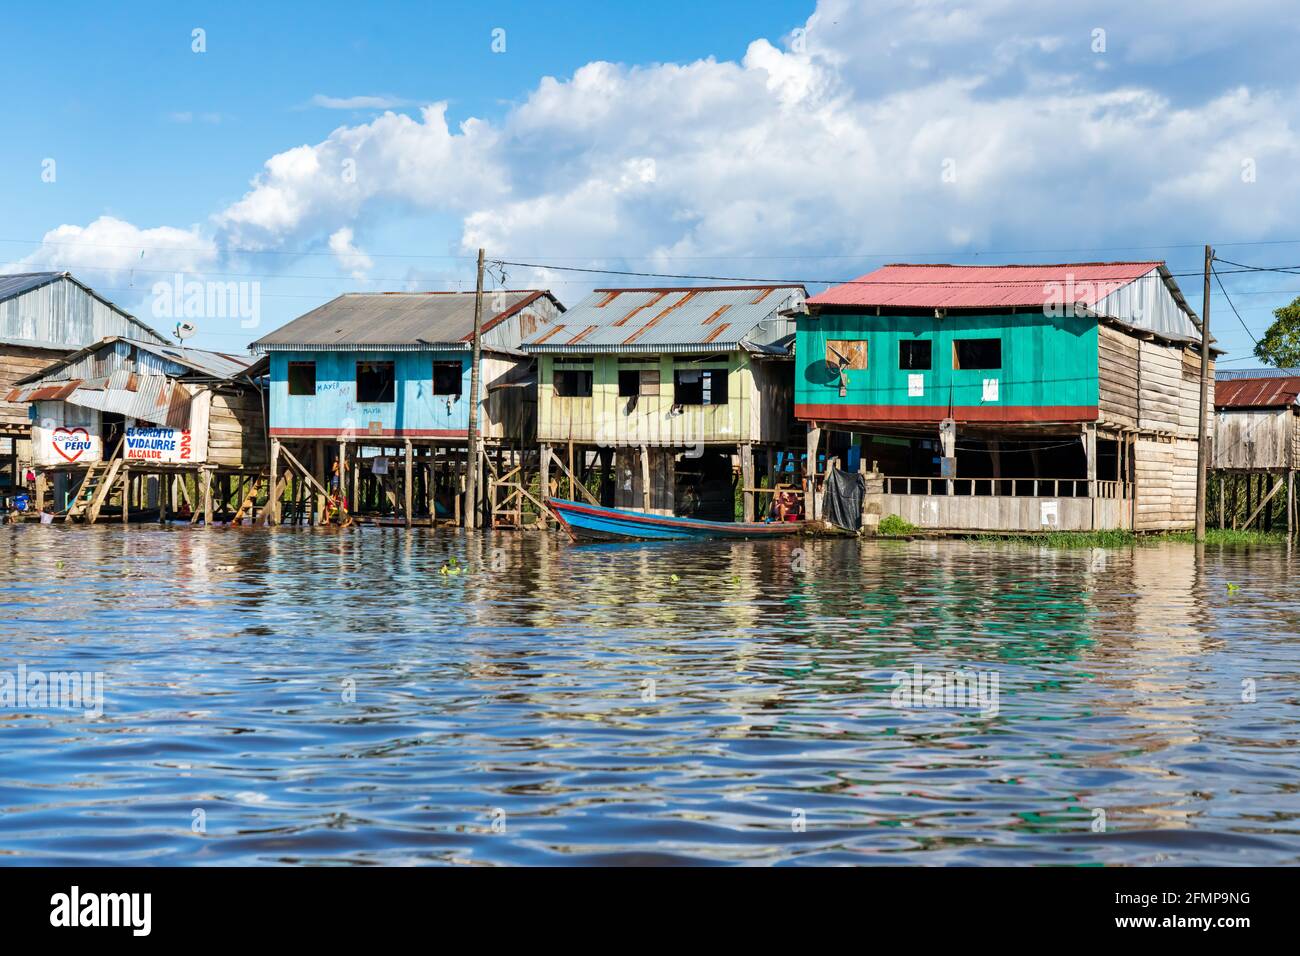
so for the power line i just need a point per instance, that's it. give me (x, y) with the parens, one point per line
(835, 282)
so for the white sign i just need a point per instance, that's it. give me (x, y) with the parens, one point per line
(64, 435)
(915, 386)
(1049, 512)
(159, 443)
(990, 390)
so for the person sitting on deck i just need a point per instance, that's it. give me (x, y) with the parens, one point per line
(786, 505)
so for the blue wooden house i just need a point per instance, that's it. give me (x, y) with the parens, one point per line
(369, 397)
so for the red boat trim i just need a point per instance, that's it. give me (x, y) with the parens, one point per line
(936, 413)
(362, 433)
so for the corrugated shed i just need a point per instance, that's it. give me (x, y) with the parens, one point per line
(54, 310)
(410, 321)
(104, 358)
(695, 319)
(1269, 392)
(1139, 294)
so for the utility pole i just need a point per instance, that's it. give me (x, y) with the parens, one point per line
(471, 458)
(1202, 452)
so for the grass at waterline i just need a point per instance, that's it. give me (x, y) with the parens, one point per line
(1127, 539)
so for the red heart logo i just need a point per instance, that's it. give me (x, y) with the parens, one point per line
(62, 435)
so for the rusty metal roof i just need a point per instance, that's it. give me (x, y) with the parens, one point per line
(688, 319)
(401, 320)
(1273, 391)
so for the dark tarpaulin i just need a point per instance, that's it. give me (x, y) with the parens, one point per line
(842, 504)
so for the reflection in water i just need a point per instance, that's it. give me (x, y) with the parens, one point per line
(333, 696)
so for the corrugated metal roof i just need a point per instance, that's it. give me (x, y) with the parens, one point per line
(700, 318)
(397, 319)
(20, 282)
(150, 358)
(1139, 294)
(1268, 392)
(972, 287)
(1222, 374)
(64, 313)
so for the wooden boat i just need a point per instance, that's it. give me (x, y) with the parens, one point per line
(586, 522)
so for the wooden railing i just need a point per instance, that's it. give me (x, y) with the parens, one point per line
(1006, 487)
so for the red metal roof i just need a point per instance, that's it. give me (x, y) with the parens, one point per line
(967, 287)
(1272, 392)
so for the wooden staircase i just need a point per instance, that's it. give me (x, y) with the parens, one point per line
(247, 506)
(95, 487)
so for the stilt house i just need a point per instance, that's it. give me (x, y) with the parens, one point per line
(126, 426)
(663, 397)
(1010, 398)
(370, 396)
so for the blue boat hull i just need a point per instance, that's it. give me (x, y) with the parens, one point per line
(586, 522)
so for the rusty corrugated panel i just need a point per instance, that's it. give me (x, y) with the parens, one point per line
(683, 320)
(716, 332)
(1271, 392)
(553, 330)
(655, 300)
(583, 334)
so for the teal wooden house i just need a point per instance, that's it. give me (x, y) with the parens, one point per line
(383, 381)
(1010, 397)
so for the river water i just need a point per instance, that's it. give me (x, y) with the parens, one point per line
(316, 696)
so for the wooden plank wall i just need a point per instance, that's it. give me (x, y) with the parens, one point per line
(1160, 388)
(1166, 484)
(607, 418)
(17, 362)
(236, 435)
(1117, 377)
(1254, 438)
(771, 400)
(975, 513)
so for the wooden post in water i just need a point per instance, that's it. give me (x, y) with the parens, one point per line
(471, 457)
(747, 480)
(645, 477)
(126, 494)
(1202, 458)
(273, 500)
(407, 488)
(207, 498)
(811, 508)
(544, 483)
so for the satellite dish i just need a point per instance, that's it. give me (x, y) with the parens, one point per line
(184, 330)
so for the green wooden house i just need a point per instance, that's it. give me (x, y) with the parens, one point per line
(1010, 397)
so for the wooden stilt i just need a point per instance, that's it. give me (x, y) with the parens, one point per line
(747, 480)
(274, 503)
(407, 489)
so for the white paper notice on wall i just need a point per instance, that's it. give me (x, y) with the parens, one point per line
(990, 390)
(915, 386)
(1050, 512)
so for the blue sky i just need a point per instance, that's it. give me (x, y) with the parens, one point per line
(767, 140)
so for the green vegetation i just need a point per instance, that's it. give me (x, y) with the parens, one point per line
(1126, 539)
(1230, 536)
(893, 524)
(1280, 344)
